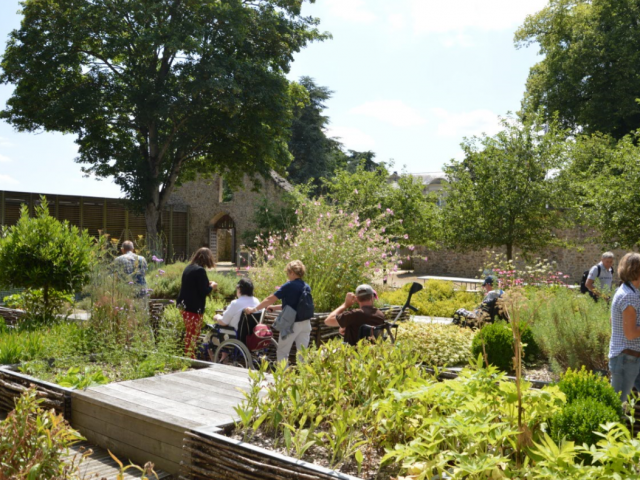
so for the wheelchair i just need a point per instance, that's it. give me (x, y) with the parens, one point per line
(227, 345)
(388, 330)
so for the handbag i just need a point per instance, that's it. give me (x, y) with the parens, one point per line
(261, 336)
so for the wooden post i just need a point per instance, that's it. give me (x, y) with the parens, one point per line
(170, 249)
(126, 225)
(2, 208)
(56, 208)
(188, 252)
(104, 216)
(81, 212)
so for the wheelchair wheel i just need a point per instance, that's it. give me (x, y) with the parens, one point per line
(233, 352)
(268, 353)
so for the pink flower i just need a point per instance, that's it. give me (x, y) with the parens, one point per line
(384, 255)
(366, 264)
(296, 212)
(401, 220)
(330, 236)
(384, 229)
(379, 206)
(406, 236)
(412, 248)
(355, 191)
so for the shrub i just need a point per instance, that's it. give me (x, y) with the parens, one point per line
(576, 384)
(498, 345)
(16, 347)
(436, 344)
(339, 250)
(571, 329)
(34, 443)
(42, 253)
(580, 418)
(437, 299)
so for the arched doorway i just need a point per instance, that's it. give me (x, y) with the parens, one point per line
(222, 239)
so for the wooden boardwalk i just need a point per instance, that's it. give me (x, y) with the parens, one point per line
(145, 419)
(100, 466)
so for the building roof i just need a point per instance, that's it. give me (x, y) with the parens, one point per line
(430, 177)
(281, 181)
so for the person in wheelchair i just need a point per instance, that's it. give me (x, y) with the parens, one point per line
(229, 324)
(488, 310)
(350, 321)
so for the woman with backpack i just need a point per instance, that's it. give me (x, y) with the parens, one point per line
(294, 321)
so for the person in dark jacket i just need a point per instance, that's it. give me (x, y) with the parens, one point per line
(194, 291)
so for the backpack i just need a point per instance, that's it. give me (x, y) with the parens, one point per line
(305, 309)
(583, 281)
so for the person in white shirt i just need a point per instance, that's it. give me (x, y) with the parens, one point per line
(602, 273)
(231, 316)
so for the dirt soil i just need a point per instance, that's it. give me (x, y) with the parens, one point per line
(322, 457)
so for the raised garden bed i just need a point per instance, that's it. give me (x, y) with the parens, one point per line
(211, 455)
(13, 384)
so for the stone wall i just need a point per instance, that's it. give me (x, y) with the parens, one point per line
(571, 261)
(206, 206)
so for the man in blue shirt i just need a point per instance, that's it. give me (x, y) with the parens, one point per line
(131, 266)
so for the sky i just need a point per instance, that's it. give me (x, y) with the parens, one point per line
(411, 79)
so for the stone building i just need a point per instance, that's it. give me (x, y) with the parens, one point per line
(219, 217)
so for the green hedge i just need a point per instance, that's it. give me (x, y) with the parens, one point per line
(437, 299)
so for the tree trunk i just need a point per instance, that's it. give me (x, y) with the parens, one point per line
(509, 251)
(152, 219)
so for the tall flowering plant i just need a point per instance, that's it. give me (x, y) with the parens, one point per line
(339, 250)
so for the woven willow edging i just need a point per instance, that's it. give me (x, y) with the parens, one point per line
(13, 384)
(213, 456)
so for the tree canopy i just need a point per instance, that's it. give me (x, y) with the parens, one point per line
(604, 174)
(370, 193)
(506, 191)
(157, 91)
(315, 155)
(590, 73)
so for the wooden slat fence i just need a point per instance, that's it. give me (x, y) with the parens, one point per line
(106, 215)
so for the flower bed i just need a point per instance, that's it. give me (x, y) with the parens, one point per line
(372, 411)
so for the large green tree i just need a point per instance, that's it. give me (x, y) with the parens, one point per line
(157, 91)
(590, 73)
(314, 154)
(407, 208)
(604, 174)
(506, 191)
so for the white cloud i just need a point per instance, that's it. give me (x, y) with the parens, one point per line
(466, 124)
(397, 22)
(352, 10)
(352, 138)
(458, 15)
(4, 142)
(395, 112)
(6, 179)
(4, 159)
